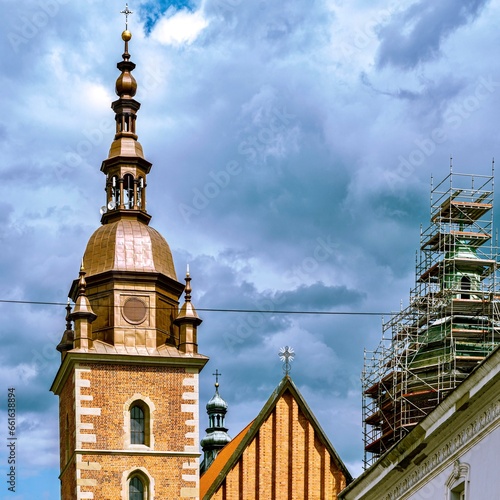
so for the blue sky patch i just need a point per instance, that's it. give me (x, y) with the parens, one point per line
(152, 11)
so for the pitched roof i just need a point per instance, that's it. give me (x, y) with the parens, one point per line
(231, 453)
(220, 461)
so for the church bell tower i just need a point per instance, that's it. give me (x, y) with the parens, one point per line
(128, 379)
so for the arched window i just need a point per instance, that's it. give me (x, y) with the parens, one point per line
(136, 489)
(137, 425)
(140, 192)
(128, 191)
(115, 193)
(139, 485)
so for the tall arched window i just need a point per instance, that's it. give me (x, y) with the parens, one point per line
(465, 284)
(138, 432)
(140, 192)
(115, 193)
(128, 191)
(138, 423)
(136, 489)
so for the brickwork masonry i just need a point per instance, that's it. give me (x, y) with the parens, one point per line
(102, 458)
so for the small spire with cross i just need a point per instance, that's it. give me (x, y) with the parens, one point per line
(286, 355)
(127, 12)
(217, 375)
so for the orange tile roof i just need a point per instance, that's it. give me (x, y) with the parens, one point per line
(220, 461)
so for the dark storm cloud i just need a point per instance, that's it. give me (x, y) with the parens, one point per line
(221, 283)
(416, 34)
(318, 297)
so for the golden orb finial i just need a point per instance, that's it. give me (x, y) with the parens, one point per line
(216, 375)
(126, 36)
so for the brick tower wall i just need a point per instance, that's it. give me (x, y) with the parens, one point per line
(97, 399)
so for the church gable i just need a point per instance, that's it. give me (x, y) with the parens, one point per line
(284, 454)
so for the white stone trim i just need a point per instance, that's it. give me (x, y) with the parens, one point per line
(191, 468)
(82, 495)
(83, 385)
(88, 465)
(90, 411)
(459, 475)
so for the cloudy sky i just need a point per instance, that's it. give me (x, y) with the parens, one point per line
(293, 145)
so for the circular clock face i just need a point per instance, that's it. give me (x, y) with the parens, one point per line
(134, 310)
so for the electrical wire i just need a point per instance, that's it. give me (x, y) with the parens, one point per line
(212, 309)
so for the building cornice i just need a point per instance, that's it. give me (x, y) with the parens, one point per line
(186, 454)
(115, 276)
(156, 453)
(473, 432)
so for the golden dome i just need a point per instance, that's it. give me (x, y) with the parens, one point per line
(126, 84)
(126, 36)
(128, 245)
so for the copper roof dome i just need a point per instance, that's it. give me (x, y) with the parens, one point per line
(128, 245)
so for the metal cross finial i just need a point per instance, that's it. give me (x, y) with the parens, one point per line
(286, 355)
(127, 12)
(217, 375)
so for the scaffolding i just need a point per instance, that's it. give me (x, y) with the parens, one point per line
(452, 321)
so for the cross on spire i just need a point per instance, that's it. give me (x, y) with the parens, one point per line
(286, 355)
(127, 12)
(217, 375)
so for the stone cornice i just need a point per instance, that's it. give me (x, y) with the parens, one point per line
(468, 435)
(156, 453)
(145, 452)
(134, 277)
